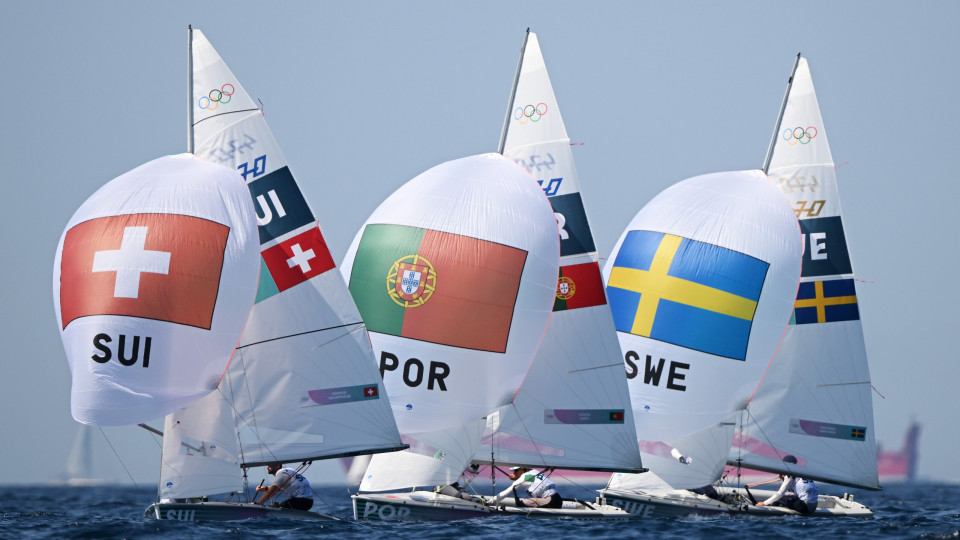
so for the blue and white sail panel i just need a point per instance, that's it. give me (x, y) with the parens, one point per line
(701, 285)
(815, 401)
(573, 409)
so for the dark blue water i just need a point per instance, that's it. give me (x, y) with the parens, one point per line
(902, 511)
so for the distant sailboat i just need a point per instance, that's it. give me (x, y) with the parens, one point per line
(89, 461)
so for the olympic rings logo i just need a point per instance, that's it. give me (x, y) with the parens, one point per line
(530, 113)
(799, 135)
(216, 97)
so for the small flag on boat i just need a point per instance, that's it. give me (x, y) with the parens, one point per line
(579, 286)
(691, 294)
(826, 301)
(294, 261)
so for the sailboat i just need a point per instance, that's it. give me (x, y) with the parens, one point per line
(454, 274)
(820, 365)
(303, 382)
(815, 401)
(701, 284)
(87, 465)
(572, 412)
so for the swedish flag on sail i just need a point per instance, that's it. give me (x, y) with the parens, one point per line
(826, 301)
(688, 293)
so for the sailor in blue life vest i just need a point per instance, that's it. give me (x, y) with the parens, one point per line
(290, 483)
(803, 498)
(542, 491)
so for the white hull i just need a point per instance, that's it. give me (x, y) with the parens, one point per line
(223, 511)
(430, 506)
(416, 506)
(680, 503)
(575, 510)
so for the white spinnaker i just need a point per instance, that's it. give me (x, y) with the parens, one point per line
(303, 384)
(153, 279)
(468, 213)
(701, 284)
(815, 401)
(573, 410)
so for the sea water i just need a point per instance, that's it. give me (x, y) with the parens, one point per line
(28, 512)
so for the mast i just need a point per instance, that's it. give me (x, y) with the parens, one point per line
(783, 106)
(190, 88)
(513, 94)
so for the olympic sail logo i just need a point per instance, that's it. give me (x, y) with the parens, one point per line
(216, 97)
(530, 113)
(799, 135)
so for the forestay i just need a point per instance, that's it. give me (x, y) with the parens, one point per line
(701, 284)
(814, 402)
(153, 279)
(573, 410)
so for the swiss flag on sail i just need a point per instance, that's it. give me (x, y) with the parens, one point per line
(155, 266)
(298, 259)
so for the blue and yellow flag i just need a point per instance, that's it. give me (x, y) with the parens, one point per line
(826, 301)
(688, 293)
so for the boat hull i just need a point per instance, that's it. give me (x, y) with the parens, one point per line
(681, 503)
(573, 510)
(669, 504)
(416, 506)
(223, 511)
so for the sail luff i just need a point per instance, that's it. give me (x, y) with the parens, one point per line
(190, 88)
(513, 94)
(776, 128)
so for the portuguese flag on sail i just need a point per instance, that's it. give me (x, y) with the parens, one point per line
(437, 287)
(579, 286)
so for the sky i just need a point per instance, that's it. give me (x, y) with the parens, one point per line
(363, 96)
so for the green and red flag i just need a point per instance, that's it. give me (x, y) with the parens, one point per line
(436, 287)
(579, 286)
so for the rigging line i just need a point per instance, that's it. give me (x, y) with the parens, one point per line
(303, 334)
(594, 367)
(878, 392)
(118, 456)
(197, 123)
(844, 384)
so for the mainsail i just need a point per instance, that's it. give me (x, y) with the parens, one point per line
(815, 401)
(454, 275)
(701, 284)
(303, 384)
(573, 409)
(153, 279)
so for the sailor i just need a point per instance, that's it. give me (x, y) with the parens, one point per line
(542, 491)
(458, 488)
(803, 498)
(290, 483)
